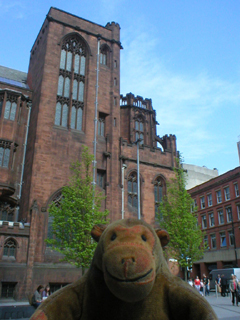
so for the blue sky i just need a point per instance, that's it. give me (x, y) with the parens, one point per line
(184, 55)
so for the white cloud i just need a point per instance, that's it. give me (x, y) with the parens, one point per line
(188, 105)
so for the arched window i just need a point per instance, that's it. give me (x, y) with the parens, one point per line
(57, 200)
(10, 107)
(159, 190)
(6, 211)
(132, 190)
(71, 80)
(10, 248)
(104, 55)
(139, 130)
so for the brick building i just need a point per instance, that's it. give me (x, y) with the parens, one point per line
(46, 116)
(218, 204)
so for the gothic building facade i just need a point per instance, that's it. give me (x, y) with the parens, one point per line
(46, 116)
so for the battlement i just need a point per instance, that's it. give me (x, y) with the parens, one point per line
(9, 227)
(131, 100)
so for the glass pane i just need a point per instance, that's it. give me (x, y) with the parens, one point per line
(12, 252)
(102, 128)
(136, 125)
(4, 215)
(81, 91)
(64, 115)
(129, 186)
(141, 126)
(67, 87)
(58, 114)
(76, 63)
(63, 59)
(13, 111)
(135, 202)
(137, 136)
(135, 187)
(1, 104)
(75, 88)
(82, 66)
(129, 199)
(160, 194)
(5, 251)
(79, 119)
(60, 86)
(6, 158)
(69, 61)
(1, 155)
(155, 194)
(141, 137)
(73, 117)
(7, 110)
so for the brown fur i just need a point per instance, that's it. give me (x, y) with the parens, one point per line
(128, 279)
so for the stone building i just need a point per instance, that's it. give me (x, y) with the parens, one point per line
(47, 115)
(218, 204)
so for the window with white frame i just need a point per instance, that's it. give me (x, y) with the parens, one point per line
(219, 196)
(229, 214)
(238, 211)
(213, 241)
(227, 193)
(223, 241)
(236, 189)
(202, 202)
(220, 217)
(231, 238)
(209, 199)
(211, 219)
(204, 222)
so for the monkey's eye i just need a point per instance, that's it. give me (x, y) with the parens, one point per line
(113, 237)
(144, 237)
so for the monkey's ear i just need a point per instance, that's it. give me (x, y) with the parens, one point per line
(163, 236)
(97, 231)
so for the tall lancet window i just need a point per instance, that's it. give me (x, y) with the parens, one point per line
(71, 83)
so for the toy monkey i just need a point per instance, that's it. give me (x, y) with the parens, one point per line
(128, 279)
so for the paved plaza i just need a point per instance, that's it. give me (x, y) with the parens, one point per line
(221, 305)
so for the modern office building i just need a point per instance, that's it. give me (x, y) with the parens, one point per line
(218, 210)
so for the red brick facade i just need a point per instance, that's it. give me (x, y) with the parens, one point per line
(54, 143)
(218, 203)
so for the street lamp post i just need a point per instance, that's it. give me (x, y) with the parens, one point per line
(138, 179)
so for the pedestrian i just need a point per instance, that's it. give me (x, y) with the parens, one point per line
(223, 285)
(37, 297)
(197, 284)
(201, 287)
(190, 282)
(234, 289)
(205, 283)
(218, 283)
(46, 292)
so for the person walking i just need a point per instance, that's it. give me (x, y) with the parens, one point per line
(234, 289)
(197, 284)
(223, 285)
(206, 285)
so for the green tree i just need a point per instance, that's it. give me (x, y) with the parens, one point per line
(177, 215)
(77, 213)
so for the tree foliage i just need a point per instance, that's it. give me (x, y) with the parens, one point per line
(177, 215)
(74, 218)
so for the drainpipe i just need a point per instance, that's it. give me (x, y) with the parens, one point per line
(29, 104)
(95, 126)
(124, 166)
